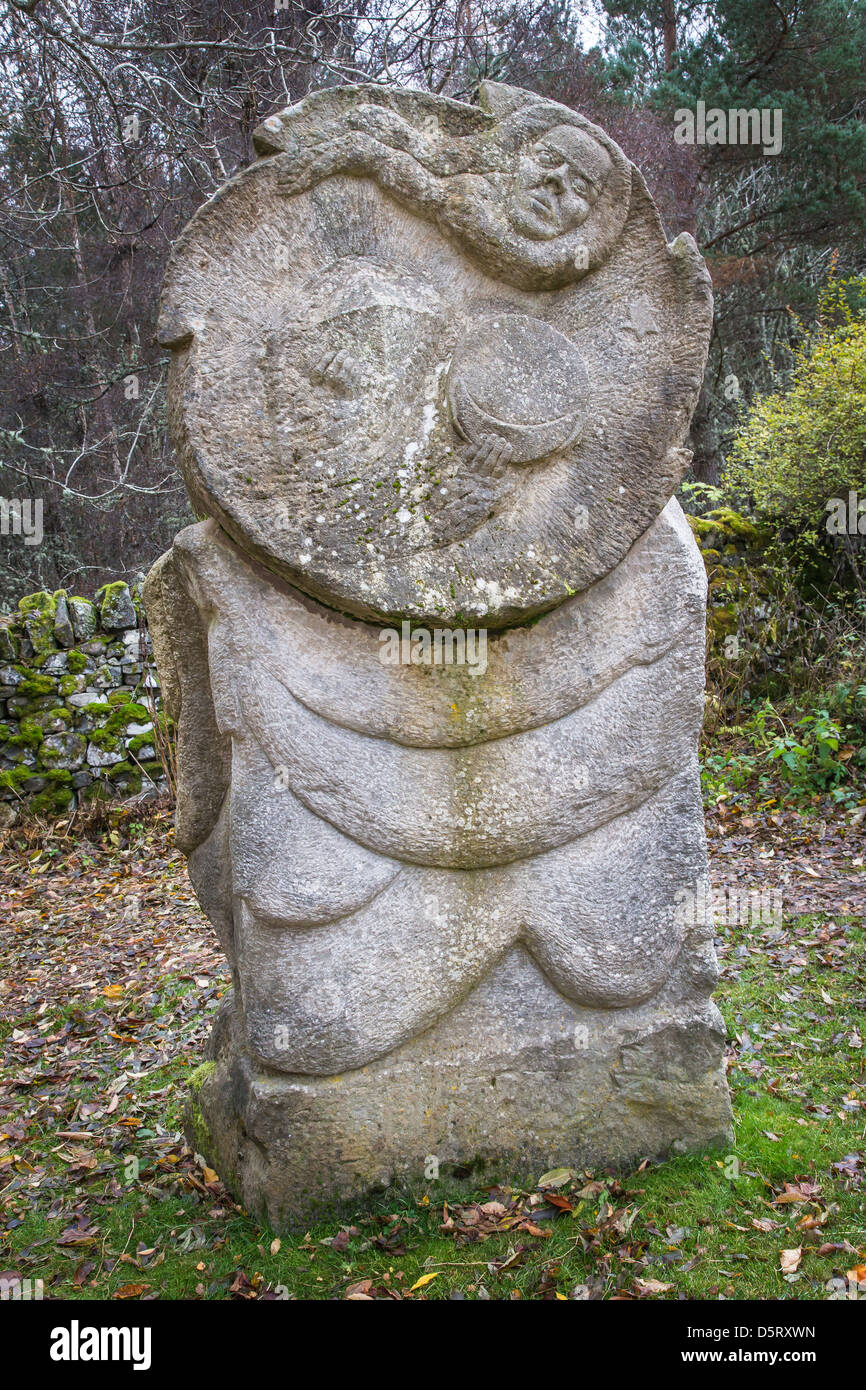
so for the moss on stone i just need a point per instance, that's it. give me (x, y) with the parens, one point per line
(733, 523)
(34, 683)
(126, 773)
(38, 627)
(38, 612)
(8, 641)
(58, 776)
(105, 739)
(140, 741)
(722, 621)
(111, 590)
(47, 717)
(36, 603)
(121, 769)
(201, 1074)
(57, 798)
(11, 778)
(29, 733)
(116, 605)
(112, 722)
(130, 712)
(22, 757)
(48, 755)
(16, 745)
(98, 790)
(195, 1126)
(700, 526)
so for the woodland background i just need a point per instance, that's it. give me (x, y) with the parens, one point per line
(121, 117)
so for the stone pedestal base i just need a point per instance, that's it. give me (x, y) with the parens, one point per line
(515, 1081)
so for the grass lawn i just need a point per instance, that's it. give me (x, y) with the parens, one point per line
(109, 979)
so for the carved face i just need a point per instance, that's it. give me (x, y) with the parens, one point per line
(559, 181)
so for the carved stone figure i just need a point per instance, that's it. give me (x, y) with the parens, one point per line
(432, 369)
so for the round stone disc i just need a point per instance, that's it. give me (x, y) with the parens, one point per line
(372, 411)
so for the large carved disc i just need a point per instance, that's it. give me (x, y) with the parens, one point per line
(434, 361)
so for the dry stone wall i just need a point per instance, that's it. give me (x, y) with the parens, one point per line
(78, 697)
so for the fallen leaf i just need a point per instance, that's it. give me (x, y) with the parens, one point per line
(557, 1177)
(556, 1199)
(652, 1286)
(424, 1280)
(360, 1291)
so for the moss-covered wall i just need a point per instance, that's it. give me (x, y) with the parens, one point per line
(78, 694)
(732, 548)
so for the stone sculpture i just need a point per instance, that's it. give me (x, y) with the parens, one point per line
(432, 369)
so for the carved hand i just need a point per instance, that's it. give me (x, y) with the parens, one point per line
(488, 456)
(340, 369)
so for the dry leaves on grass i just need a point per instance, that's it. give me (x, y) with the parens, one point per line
(816, 862)
(505, 1213)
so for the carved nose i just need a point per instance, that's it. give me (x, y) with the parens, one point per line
(557, 178)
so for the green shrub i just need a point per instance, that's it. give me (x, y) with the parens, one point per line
(799, 449)
(810, 751)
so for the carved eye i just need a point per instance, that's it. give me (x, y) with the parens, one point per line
(579, 184)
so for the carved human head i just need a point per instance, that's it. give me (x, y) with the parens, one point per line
(560, 178)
